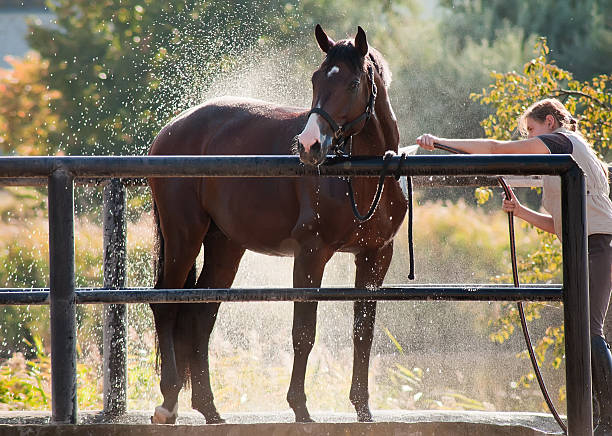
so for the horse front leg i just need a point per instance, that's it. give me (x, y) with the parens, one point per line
(372, 267)
(308, 270)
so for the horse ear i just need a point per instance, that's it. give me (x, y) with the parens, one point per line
(361, 43)
(325, 42)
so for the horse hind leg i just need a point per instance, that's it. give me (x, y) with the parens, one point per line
(182, 346)
(180, 251)
(165, 316)
(163, 414)
(221, 260)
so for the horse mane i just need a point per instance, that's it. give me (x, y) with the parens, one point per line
(345, 51)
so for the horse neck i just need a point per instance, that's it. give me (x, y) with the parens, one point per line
(381, 132)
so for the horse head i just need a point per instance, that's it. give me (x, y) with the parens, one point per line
(343, 96)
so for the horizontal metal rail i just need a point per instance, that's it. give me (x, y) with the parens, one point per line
(61, 173)
(280, 166)
(417, 182)
(470, 292)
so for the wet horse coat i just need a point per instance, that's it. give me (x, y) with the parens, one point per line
(309, 218)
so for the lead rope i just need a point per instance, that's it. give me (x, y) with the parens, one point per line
(515, 278)
(376, 200)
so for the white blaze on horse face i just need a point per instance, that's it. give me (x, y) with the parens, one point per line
(311, 133)
(333, 70)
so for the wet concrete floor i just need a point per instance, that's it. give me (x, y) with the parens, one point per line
(397, 422)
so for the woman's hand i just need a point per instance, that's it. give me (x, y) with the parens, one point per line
(513, 205)
(426, 141)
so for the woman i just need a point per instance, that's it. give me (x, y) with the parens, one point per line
(550, 129)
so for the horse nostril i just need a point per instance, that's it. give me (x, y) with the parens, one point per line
(316, 147)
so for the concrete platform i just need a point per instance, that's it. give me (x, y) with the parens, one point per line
(397, 422)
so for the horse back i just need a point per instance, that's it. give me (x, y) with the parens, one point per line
(231, 126)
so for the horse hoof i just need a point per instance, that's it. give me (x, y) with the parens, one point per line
(301, 414)
(364, 415)
(210, 413)
(164, 416)
(215, 419)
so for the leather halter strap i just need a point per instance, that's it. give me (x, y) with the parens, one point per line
(341, 133)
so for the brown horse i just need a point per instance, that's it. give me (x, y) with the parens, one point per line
(309, 218)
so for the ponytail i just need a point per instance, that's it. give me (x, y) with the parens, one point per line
(549, 106)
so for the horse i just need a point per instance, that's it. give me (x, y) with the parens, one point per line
(308, 218)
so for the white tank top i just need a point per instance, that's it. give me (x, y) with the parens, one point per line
(598, 203)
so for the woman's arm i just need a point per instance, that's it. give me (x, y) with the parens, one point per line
(540, 220)
(492, 146)
(486, 146)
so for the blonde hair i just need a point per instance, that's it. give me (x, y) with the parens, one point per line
(549, 106)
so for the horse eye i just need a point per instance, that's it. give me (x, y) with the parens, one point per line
(354, 84)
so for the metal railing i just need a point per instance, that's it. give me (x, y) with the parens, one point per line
(62, 296)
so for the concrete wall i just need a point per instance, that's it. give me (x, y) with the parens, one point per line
(276, 429)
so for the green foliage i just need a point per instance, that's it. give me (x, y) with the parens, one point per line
(24, 263)
(24, 384)
(10, 4)
(123, 68)
(579, 33)
(113, 61)
(511, 93)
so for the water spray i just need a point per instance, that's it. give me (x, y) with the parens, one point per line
(515, 279)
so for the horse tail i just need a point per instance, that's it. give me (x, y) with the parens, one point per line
(158, 270)
(158, 249)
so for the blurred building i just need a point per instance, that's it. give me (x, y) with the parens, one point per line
(14, 16)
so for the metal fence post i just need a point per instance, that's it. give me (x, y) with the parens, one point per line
(115, 315)
(62, 298)
(576, 303)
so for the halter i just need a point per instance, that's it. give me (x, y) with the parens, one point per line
(341, 135)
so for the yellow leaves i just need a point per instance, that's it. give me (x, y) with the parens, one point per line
(123, 15)
(512, 92)
(483, 194)
(25, 106)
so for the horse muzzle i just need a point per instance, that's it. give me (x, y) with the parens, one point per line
(315, 154)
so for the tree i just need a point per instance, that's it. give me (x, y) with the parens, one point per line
(511, 93)
(111, 61)
(591, 102)
(124, 67)
(578, 33)
(28, 124)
